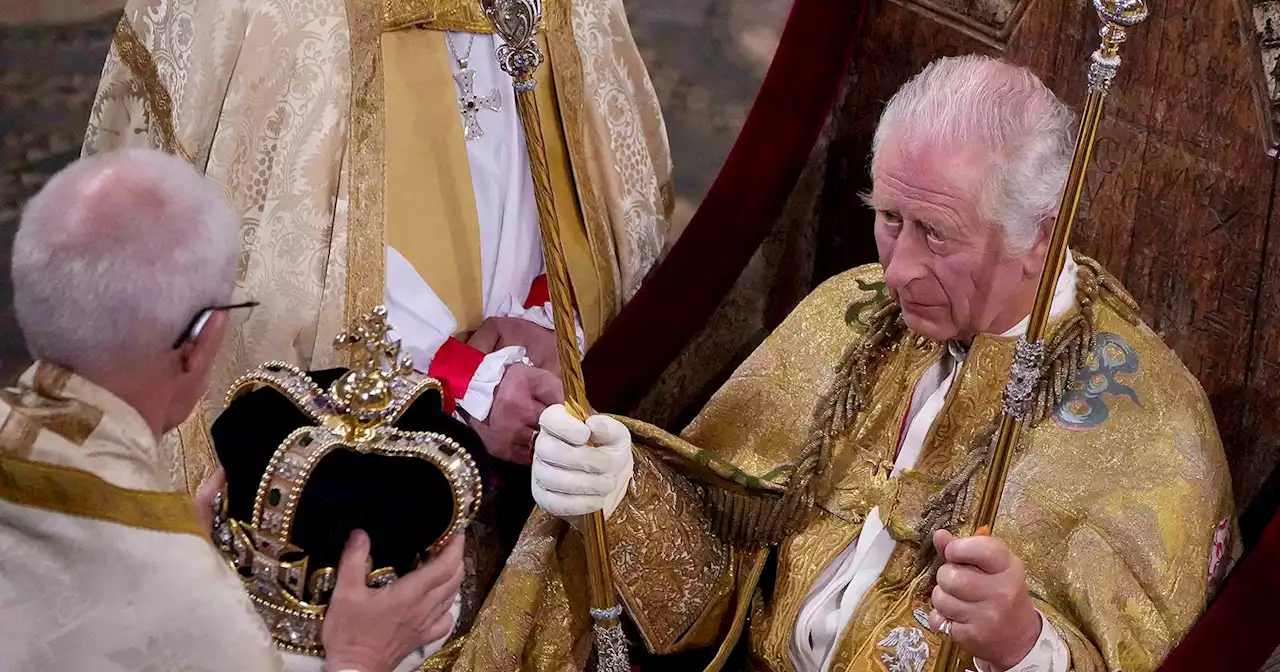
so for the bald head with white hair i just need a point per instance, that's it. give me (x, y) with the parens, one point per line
(111, 261)
(969, 162)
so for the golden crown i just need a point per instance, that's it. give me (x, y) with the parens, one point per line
(356, 413)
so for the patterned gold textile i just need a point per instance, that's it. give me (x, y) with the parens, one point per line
(282, 103)
(102, 566)
(1115, 502)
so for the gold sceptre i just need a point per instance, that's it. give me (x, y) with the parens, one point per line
(516, 22)
(1118, 16)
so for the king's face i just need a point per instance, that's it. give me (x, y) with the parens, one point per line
(943, 261)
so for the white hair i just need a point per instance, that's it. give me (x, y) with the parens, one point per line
(983, 102)
(115, 255)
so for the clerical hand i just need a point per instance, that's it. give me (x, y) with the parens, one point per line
(982, 590)
(572, 478)
(374, 629)
(496, 333)
(521, 396)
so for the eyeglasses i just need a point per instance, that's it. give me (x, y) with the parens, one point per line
(201, 318)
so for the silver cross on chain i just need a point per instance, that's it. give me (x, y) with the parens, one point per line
(468, 102)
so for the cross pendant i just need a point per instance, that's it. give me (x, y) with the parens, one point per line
(470, 104)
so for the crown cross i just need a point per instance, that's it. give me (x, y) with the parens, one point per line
(381, 353)
(378, 359)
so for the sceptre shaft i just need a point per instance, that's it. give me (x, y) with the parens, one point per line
(516, 22)
(1117, 17)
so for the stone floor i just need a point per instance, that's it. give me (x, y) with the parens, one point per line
(707, 59)
(34, 12)
(48, 75)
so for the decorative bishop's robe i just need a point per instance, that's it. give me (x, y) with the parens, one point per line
(1118, 502)
(103, 565)
(333, 127)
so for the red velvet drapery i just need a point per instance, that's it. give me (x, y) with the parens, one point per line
(1240, 630)
(745, 201)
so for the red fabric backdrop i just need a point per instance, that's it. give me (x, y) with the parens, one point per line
(1241, 629)
(744, 202)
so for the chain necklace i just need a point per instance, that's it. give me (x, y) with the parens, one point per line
(468, 102)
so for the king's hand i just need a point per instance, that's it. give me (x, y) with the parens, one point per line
(580, 467)
(982, 591)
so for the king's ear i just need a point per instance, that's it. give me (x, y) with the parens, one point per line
(1033, 261)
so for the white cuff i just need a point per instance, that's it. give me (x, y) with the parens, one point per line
(1050, 653)
(478, 400)
(417, 658)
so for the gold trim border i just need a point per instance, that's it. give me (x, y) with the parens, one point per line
(135, 55)
(461, 16)
(79, 493)
(564, 57)
(366, 230)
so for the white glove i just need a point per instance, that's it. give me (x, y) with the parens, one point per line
(571, 478)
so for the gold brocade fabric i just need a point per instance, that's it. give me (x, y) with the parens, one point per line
(1113, 502)
(282, 103)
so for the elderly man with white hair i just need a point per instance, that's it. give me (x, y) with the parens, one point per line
(816, 512)
(123, 268)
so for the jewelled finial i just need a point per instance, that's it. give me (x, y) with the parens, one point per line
(1117, 17)
(516, 22)
(378, 359)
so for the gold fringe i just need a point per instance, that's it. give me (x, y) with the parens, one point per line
(748, 517)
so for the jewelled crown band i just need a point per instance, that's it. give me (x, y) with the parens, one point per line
(356, 413)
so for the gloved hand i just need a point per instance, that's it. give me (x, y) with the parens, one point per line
(571, 478)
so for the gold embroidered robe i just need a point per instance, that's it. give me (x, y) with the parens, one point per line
(102, 564)
(332, 125)
(1115, 503)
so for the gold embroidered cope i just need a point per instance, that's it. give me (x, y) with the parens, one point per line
(1112, 503)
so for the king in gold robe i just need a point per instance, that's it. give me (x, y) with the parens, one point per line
(334, 129)
(1118, 502)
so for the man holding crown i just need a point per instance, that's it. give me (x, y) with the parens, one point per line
(123, 271)
(814, 515)
(374, 153)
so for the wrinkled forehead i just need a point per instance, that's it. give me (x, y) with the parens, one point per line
(914, 166)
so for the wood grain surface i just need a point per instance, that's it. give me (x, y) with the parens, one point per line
(1179, 199)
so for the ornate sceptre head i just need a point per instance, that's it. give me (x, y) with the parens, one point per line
(1117, 17)
(517, 22)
